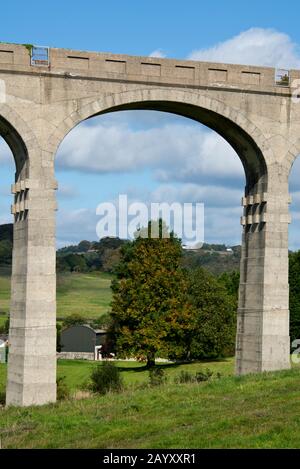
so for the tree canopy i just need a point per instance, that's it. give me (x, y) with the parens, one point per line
(148, 306)
(161, 309)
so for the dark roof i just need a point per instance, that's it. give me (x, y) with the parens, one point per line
(96, 331)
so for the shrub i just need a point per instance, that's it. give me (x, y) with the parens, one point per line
(185, 377)
(63, 391)
(4, 329)
(156, 376)
(2, 398)
(203, 375)
(106, 377)
(73, 320)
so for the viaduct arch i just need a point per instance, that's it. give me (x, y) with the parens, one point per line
(44, 101)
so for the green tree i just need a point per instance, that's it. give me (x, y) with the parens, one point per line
(214, 320)
(231, 281)
(73, 320)
(76, 262)
(103, 322)
(294, 282)
(5, 251)
(148, 310)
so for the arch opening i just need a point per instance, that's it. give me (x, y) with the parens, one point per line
(72, 156)
(72, 164)
(15, 143)
(8, 168)
(244, 145)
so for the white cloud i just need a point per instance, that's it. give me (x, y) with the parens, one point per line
(75, 225)
(210, 195)
(158, 53)
(256, 46)
(222, 217)
(182, 152)
(67, 191)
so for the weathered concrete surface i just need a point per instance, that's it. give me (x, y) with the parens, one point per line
(42, 104)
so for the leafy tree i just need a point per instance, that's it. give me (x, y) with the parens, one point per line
(5, 251)
(103, 322)
(294, 282)
(84, 246)
(6, 232)
(4, 329)
(73, 320)
(148, 308)
(213, 330)
(231, 281)
(62, 264)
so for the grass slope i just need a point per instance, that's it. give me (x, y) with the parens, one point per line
(255, 411)
(87, 294)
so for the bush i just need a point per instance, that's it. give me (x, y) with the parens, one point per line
(74, 319)
(106, 377)
(157, 376)
(185, 377)
(2, 398)
(203, 375)
(63, 391)
(4, 329)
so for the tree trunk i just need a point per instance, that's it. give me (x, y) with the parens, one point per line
(150, 360)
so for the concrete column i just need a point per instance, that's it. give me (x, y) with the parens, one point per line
(32, 336)
(263, 342)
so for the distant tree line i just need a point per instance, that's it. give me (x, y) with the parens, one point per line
(104, 255)
(6, 244)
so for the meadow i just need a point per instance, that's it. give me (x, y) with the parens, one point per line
(254, 411)
(88, 294)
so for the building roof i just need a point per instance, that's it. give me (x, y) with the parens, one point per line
(96, 331)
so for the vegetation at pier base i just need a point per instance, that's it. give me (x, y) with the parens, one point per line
(254, 411)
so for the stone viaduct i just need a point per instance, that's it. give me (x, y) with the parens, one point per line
(45, 93)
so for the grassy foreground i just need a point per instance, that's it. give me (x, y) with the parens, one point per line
(87, 294)
(256, 411)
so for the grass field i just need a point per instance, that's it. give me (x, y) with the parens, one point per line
(77, 372)
(87, 294)
(4, 293)
(255, 411)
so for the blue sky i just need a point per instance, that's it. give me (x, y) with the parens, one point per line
(140, 144)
